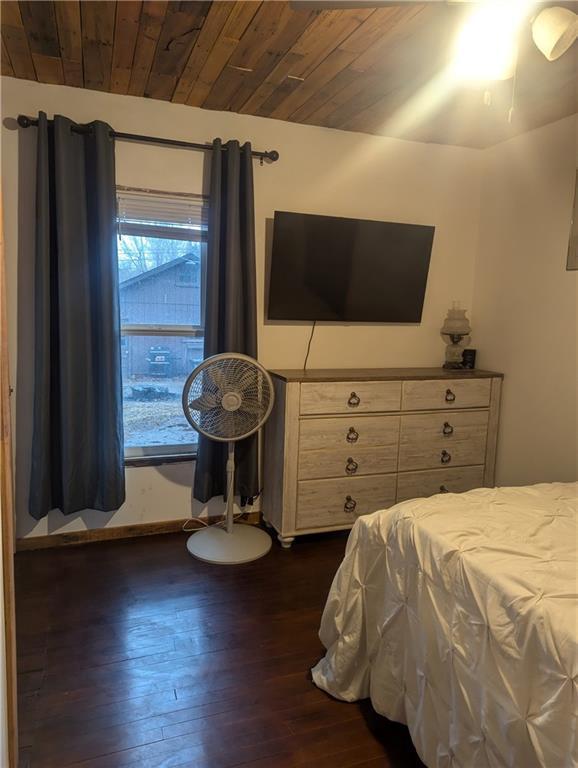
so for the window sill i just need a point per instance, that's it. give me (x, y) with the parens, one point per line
(154, 461)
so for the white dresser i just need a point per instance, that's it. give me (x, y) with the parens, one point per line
(344, 443)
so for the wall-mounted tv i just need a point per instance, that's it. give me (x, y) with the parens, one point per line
(347, 270)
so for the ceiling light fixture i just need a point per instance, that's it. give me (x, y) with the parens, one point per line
(487, 46)
(554, 31)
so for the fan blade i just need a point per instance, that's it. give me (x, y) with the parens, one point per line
(217, 376)
(205, 402)
(246, 380)
(225, 424)
(252, 406)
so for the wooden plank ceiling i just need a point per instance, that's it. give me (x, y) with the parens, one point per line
(371, 69)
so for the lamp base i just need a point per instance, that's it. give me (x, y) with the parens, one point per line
(215, 545)
(453, 366)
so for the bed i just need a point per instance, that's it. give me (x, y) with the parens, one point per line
(457, 615)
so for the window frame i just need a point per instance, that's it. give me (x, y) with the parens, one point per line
(153, 455)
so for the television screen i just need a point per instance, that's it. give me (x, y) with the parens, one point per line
(348, 270)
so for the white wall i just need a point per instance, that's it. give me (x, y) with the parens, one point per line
(526, 302)
(320, 171)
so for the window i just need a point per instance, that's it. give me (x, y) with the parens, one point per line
(161, 263)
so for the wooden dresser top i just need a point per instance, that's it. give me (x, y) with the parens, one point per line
(380, 374)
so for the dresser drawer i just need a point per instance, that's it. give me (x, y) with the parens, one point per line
(454, 393)
(452, 438)
(347, 462)
(350, 397)
(357, 432)
(414, 485)
(326, 503)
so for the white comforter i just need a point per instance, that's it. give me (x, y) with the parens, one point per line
(458, 616)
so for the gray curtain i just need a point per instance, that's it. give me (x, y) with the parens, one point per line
(77, 448)
(230, 307)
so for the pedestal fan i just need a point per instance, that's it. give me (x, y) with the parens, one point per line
(227, 398)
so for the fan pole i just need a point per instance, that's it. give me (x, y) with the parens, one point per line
(230, 485)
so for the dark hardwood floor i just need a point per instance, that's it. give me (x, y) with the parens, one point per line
(132, 653)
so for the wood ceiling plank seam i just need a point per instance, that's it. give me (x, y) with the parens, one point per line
(283, 42)
(324, 95)
(375, 87)
(377, 113)
(150, 25)
(232, 32)
(364, 103)
(291, 63)
(349, 90)
(408, 23)
(16, 41)
(321, 102)
(125, 37)
(286, 35)
(73, 73)
(214, 23)
(224, 88)
(39, 24)
(274, 79)
(241, 15)
(260, 32)
(335, 63)
(20, 56)
(251, 46)
(7, 68)
(70, 41)
(11, 16)
(433, 44)
(347, 52)
(375, 27)
(372, 116)
(338, 33)
(372, 62)
(98, 23)
(307, 70)
(304, 56)
(49, 69)
(284, 91)
(371, 32)
(328, 25)
(180, 31)
(365, 98)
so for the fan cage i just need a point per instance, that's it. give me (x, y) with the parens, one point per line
(238, 379)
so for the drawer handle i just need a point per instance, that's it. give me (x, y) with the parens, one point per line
(354, 400)
(446, 457)
(349, 505)
(352, 436)
(351, 467)
(450, 397)
(447, 428)
(443, 489)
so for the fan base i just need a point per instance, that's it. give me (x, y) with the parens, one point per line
(215, 545)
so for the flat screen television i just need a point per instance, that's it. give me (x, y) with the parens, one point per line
(347, 270)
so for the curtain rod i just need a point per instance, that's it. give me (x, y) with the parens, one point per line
(272, 155)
